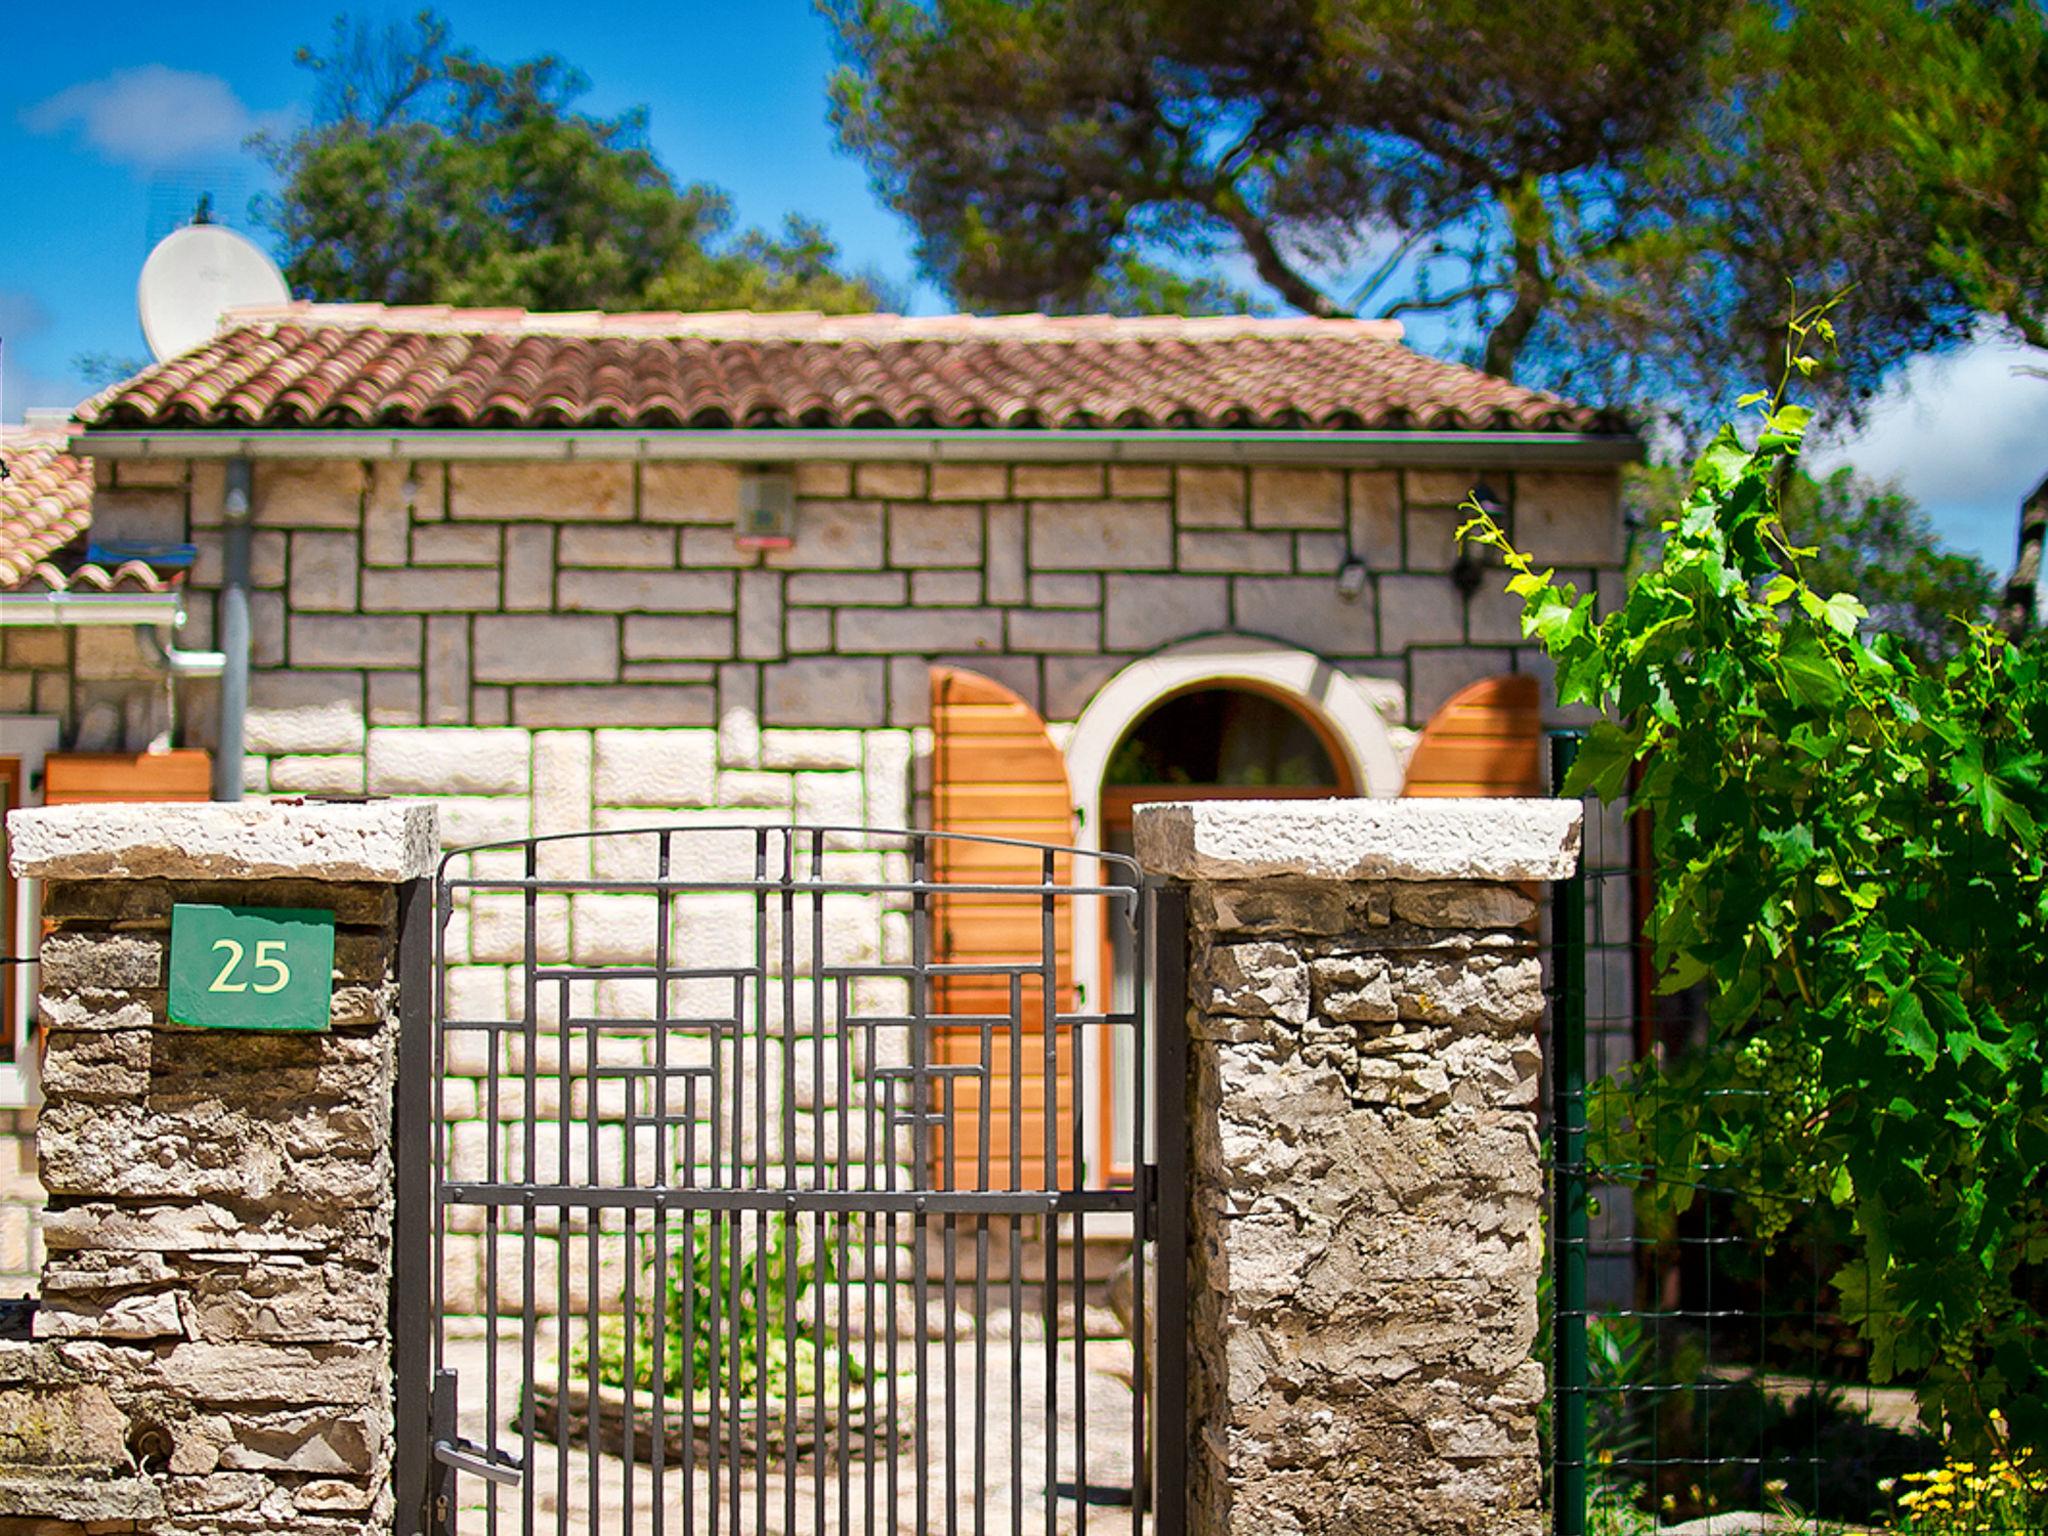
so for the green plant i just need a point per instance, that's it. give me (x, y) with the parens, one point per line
(1868, 537)
(1611, 1511)
(2005, 1495)
(1849, 858)
(720, 1276)
(1621, 1366)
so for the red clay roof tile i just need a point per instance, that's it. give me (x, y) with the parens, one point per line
(45, 504)
(130, 576)
(369, 367)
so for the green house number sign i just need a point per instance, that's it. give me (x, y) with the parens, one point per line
(251, 967)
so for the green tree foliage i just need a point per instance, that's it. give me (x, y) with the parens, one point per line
(1786, 177)
(430, 175)
(1033, 144)
(1606, 199)
(1974, 119)
(100, 369)
(1131, 285)
(1864, 537)
(1849, 856)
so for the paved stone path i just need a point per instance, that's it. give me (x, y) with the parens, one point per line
(1013, 1499)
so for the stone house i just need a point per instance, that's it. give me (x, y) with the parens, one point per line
(564, 572)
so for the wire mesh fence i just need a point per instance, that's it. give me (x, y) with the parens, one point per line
(1703, 1378)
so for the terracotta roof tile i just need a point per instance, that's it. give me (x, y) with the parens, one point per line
(45, 504)
(367, 366)
(128, 576)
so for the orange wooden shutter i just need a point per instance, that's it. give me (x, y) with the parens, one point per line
(74, 778)
(996, 773)
(1486, 740)
(10, 799)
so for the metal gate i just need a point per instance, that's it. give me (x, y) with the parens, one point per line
(792, 1213)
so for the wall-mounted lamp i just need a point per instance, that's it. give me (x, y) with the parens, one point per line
(767, 509)
(1351, 579)
(1465, 574)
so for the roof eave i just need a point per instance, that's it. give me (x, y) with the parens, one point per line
(1356, 449)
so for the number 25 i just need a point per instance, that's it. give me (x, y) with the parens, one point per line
(267, 959)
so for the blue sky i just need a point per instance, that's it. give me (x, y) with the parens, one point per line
(110, 127)
(106, 131)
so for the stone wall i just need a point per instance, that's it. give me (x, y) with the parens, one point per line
(546, 648)
(552, 596)
(94, 680)
(212, 1353)
(21, 1204)
(1365, 1185)
(213, 1349)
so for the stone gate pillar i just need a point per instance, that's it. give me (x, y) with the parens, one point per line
(1364, 1183)
(214, 1348)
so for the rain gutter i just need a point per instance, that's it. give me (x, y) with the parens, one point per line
(158, 610)
(1352, 449)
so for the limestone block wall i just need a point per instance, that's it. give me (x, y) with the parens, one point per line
(1364, 1177)
(213, 1350)
(572, 596)
(95, 682)
(546, 648)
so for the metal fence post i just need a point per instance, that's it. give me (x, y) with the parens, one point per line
(1174, 1454)
(413, 1220)
(1568, 1405)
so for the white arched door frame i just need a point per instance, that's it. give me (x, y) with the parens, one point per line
(1335, 700)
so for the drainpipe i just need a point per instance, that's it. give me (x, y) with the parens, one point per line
(234, 631)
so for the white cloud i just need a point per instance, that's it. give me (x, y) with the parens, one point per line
(1966, 436)
(152, 116)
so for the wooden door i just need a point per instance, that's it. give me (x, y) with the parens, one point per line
(10, 800)
(1486, 740)
(77, 778)
(997, 774)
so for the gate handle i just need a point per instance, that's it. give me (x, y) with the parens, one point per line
(493, 1466)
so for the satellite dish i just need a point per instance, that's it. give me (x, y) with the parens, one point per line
(192, 276)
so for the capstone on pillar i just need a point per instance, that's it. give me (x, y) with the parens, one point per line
(1364, 1179)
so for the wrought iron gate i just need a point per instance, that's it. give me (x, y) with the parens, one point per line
(759, 1203)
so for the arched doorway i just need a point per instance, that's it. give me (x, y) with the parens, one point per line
(1208, 741)
(1347, 714)
(1220, 741)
